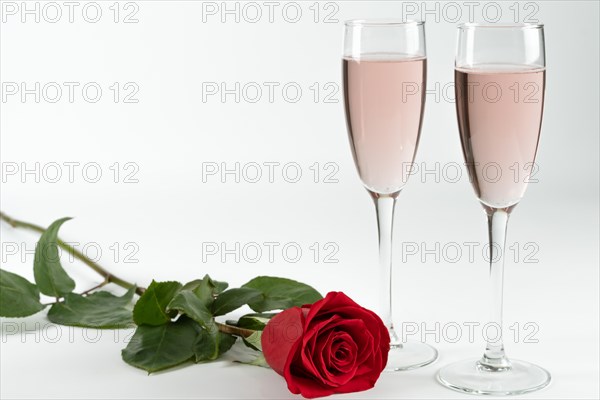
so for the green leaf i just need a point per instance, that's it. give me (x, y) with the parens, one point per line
(243, 353)
(217, 286)
(191, 305)
(226, 341)
(255, 322)
(281, 293)
(220, 286)
(205, 347)
(210, 347)
(154, 348)
(51, 278)
(258, 361)
(254, 340)
(18, 296)
(206, 289)
(101, 310)
(151, 307)
(233, 299)
(192, 285)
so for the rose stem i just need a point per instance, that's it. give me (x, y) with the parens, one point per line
(234, 330)
(108, 277)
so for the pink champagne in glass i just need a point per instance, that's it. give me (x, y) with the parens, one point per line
(385, 100)
(499, 112)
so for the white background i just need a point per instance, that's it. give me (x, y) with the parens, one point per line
(171, 134)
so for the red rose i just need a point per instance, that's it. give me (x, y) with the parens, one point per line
(331, 346)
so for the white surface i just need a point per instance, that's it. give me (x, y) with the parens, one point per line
(171, 212)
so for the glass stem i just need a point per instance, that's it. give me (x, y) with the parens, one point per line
(385, 205)
(494, 358)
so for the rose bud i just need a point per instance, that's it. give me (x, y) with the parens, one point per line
(331, 346)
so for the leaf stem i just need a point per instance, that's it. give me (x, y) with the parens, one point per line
(108, 277)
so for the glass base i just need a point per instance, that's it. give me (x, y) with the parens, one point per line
(469, 376)
(410, 355)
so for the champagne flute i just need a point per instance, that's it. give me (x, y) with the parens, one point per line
(499, 81)
(384, 67)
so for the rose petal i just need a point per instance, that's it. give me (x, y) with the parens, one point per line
(330, 330)
(331, 376)
(340, 376)
(307, 387)
(376, 328)
(309, 342)
(333, 301)
(358, 384)
(282, 333)
(358, 332)
(310, 389)
(318, 327)
(343, 354)
(313, 309)
(319, 359)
